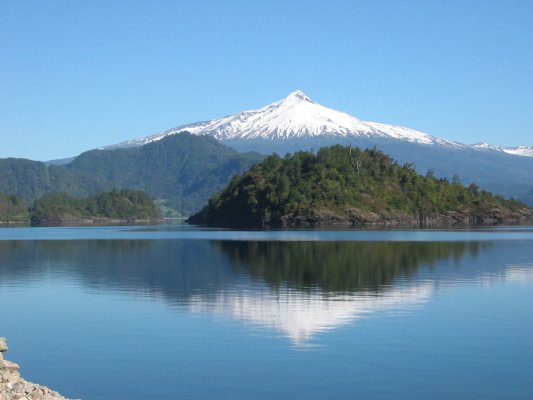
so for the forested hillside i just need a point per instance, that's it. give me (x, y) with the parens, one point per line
(345, 185)
(182, 170)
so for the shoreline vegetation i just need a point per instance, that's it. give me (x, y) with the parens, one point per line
(58, 209)
(345, 186)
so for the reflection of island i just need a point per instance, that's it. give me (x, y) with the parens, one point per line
(317, 286)
(340, 266)
(296, 288)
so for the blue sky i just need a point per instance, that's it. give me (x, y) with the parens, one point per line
(78, 75)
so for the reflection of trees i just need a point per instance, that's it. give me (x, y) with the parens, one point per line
(174, 269)
(339, 266)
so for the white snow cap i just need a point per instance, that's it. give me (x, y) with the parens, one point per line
(295, 116)
(298, 116)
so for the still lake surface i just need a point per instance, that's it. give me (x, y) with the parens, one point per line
(178, 312)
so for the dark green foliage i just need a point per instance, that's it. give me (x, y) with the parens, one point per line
(505, 174)
(334, 267)
(123, 204)
(338, 179)
(182, 169)
(339, 266)
(13, 209)
(31, 179)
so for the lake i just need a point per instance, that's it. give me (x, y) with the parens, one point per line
(179, 312)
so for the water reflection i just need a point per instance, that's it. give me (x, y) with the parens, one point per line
(300, 315)
(173, 270)
(341, 266)
(518, 275)
(295, 288)
(318, 286)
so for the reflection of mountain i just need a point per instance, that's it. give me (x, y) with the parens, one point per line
(297, 288)
(317, 286)
(299, 314)
(518, 274)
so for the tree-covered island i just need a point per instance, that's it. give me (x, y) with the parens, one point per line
(116, 206)
(348, 186)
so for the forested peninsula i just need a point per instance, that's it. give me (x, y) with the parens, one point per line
(116, 206)
(341, 185)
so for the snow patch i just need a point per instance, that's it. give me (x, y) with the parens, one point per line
(523, 151)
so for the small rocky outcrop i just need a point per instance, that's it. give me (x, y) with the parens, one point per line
(14, 387)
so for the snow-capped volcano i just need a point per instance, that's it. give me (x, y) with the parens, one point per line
(294, 117)
(297, 123)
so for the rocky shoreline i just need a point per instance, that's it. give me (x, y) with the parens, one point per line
(14, 387)
(352, 217)
(83, 222)
(97, 222)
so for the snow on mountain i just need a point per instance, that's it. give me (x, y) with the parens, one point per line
(524, 151)
(296, 116)
(299, 117)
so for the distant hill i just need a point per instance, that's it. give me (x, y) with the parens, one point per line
(184, 170)
(31, 179)
(349, 186)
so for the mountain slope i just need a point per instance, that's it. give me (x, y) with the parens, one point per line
(30, 179)
(183, 169)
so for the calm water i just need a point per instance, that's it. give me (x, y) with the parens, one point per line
(182, 313)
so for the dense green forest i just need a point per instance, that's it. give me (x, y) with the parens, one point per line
(118, 204)
(31, 179)
(182, 171)
(345, 185)
(13, 209)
